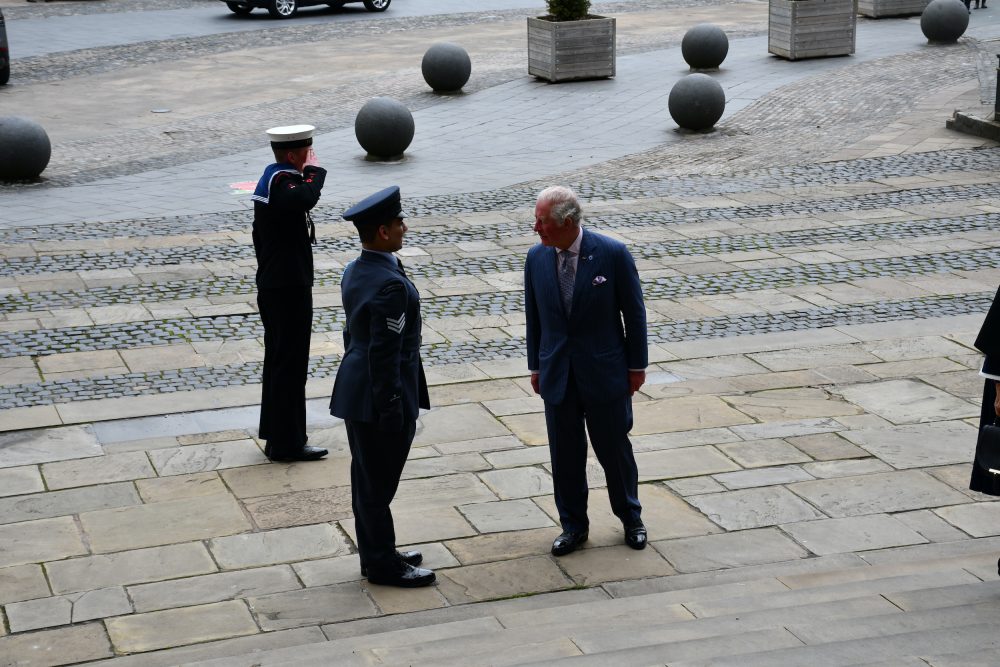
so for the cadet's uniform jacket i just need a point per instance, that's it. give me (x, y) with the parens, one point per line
(381, 362)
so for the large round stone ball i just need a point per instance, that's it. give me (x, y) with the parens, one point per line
(696, 102)
(705, 46)
(384, 128)
(446, 67)
(944, 20)
(24, 149)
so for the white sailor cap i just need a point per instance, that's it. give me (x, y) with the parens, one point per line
(291, 136)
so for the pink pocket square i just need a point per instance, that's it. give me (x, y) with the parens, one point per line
(599, 280)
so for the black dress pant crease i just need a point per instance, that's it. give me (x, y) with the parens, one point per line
(377, 460)
(287, 316)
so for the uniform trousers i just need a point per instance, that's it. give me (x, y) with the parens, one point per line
(377, 460)
(287, 316)
(608, 424)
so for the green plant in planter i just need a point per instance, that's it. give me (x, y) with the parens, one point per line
(568, 10)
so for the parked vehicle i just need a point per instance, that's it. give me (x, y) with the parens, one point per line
(283, 9)
(4, 52)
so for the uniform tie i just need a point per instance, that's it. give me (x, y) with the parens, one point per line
(399, 264)
(567, 276)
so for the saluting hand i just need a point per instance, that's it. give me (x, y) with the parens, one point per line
(996, 401)
(311, 159)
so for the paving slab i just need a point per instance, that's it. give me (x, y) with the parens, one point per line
(67, 502)
(455, 423)
(194, 485)
(684, 414)
(22, 582)
(40, 540)
(754, 508)
(746, 479)
(736, 549)
(101, 470)
(826, 446)
(908, 402)
(20, 448)
(392, 600)
(299, 508)
(129, 567)
(67, 609)
(428, 525)
(591, 567)
(860, 533)
(62, 646)
(163, 523)
(977, 519)
(919, 445)
(277, 546)
(685, 462)
(202, 458)
(846, 468)
(518, 482)
(175, 627)
(312, 606)
(930, 525)
(20, 481)
(490, 581)
(505, 515)
(876, 493)
(761, 453)
(210, 588)
(269, 480)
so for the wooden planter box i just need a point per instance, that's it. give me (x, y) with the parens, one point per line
(879, 8)
(566, 50)
(811, 28)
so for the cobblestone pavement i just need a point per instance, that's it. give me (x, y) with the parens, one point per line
(815, 272)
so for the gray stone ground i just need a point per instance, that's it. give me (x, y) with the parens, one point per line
(815, 271)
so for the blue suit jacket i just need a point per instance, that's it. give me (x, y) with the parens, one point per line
(381, 362)
(605, 334)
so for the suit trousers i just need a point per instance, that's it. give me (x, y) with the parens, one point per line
(287, 316)
(377, 460)
(608, 425)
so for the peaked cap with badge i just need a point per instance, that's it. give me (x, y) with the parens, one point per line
(378, 209)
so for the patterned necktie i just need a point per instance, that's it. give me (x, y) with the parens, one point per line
(567, 276)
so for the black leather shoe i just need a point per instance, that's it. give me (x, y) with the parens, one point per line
(307, 453)
(414, 558)
(635, 535)
(568, 542)
(401, 574)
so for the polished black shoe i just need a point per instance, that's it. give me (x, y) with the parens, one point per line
(401, 574)
(414, 558)
(635, 535)
(568, 542)
(307, 453)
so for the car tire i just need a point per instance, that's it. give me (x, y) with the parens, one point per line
(377, 5)
(237, 8)
(282, 9)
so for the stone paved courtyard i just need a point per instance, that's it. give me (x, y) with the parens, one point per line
(815, 272)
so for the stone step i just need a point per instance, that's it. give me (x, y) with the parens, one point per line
(978, 637)
(596, 623)
(544, 634)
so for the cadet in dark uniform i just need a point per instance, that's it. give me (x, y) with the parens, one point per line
(283, 234)
(380, 386)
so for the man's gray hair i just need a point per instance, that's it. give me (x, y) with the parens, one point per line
(565, 204)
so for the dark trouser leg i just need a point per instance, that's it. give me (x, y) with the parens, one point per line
(608, 425)
(988, 412)
(568, 451)
(377, 460)
(287, 317)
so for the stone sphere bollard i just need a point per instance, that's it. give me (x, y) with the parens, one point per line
(944, 20)
(696, 102)
(446, 67)
(705, 46)
(24, 149)
(384, 127)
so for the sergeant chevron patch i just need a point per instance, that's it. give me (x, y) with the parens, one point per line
(397, 324)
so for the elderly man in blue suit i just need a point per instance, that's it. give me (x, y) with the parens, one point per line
(586, 339)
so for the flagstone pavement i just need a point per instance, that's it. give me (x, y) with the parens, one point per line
(815, 272)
